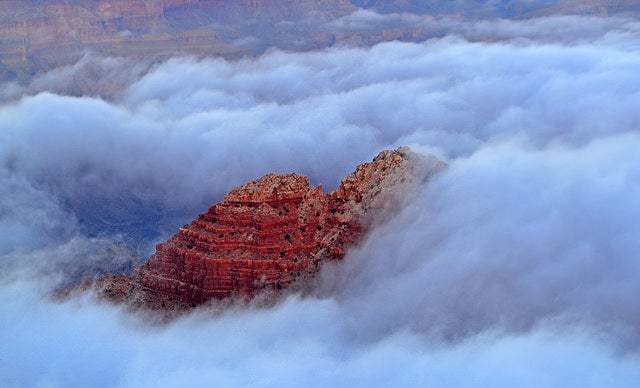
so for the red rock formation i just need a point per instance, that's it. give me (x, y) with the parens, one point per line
(266, 235)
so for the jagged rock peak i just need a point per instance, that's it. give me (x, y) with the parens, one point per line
(365, 182)
(270, 188)
(270, 234)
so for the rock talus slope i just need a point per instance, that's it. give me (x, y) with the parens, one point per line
(269, 234)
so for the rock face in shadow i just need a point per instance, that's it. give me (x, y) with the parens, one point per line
(269, 234)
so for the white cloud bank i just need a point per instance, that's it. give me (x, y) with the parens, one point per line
(518, 265)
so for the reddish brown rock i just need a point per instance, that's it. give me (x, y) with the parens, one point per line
(269, 234)
(38, 36)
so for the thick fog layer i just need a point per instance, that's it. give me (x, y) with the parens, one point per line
(517, 265)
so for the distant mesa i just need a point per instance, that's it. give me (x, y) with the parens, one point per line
(271, 234)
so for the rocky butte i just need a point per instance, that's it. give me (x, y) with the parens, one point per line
(270, 234)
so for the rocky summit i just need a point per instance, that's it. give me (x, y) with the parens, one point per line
(270, 234)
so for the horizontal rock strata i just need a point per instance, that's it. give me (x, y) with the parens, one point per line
(269, 234)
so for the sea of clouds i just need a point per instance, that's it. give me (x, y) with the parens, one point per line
(518, 265)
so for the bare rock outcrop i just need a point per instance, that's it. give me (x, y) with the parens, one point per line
(269, 234)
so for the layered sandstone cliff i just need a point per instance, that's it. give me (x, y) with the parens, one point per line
(37, 36)
(270, 234)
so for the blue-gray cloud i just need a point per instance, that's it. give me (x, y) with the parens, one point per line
(515, 266)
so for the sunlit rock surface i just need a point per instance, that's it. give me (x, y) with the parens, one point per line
(270, 234)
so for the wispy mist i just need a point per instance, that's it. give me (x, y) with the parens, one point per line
(508, 239)
(517, 265)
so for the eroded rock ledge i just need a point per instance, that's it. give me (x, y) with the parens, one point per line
(269, 234)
